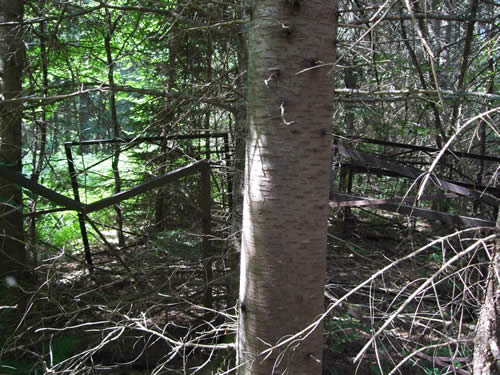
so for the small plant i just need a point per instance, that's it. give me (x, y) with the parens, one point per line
(436, 257)
(341, 331)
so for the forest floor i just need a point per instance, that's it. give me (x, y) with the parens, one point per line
(140, 308)
(359, 249)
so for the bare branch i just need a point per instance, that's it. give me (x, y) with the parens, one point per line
(448, 94)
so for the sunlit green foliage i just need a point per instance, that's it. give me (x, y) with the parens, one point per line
(152, 96)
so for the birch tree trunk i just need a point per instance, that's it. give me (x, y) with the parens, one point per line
(12, 250)
(284, 232)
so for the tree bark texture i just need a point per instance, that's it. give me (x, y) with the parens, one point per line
(284, 232)
(487, 335)
(12, 248)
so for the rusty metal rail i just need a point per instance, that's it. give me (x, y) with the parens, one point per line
(201, 166)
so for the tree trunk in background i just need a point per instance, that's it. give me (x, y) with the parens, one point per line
(284, 233)
(116, 127)
(40, 132)
(437, 124)
(167, 120)
(483, 133)
(464, 64)
(12, 247)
